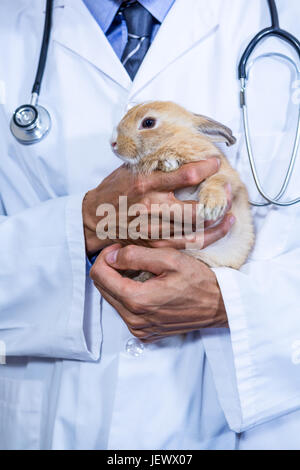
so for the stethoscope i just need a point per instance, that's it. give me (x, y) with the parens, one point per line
(31, 122)
(243, 72)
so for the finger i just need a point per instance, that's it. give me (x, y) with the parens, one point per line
(211, 235)
(210, 223)
(183, 243)
(133, 321)
(189, 174)
(143, 326)
(153, 338)
(163, 335)
(190, 208)
(162, 326)
(198, 240)
(111, 280)
(184, 211)
(139, 258)
(172, 214)
(183, 326)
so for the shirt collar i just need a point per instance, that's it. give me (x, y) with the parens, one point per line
(104, 11)
(157, 8)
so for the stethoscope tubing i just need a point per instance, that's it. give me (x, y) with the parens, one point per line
(44, 48)
(276, 200)
(272, 31)
(265, 33)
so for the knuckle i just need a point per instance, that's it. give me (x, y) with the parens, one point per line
(155, 243)
(224, 230)
(146, 201)
(94, 273)
(135, 323)
(125, 294)
(139, 186)
(173, 257)
(129, 253)
(140, 334)
(191, 177)
(134, 306)
(145, 306)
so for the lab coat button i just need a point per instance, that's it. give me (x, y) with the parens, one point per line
(135, 347)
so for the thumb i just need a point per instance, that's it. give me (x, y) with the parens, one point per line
(139, 258)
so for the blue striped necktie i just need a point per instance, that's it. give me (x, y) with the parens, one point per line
(139, 24)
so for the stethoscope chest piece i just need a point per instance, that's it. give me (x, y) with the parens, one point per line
(30, 124)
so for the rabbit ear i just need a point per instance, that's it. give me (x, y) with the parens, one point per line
(214, 130)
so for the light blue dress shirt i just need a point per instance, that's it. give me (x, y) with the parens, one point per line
(115, 28)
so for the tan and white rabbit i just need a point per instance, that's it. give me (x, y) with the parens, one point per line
(164, 136)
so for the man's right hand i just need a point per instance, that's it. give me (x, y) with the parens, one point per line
(156, 188)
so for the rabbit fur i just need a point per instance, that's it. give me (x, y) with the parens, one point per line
(164, 136)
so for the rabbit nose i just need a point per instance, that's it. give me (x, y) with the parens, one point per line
(113, 144)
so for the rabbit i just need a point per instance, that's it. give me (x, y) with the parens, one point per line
(162, 135)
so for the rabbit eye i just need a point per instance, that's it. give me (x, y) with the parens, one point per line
(148, 123)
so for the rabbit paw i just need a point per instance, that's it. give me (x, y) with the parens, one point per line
(213, 203)
(169, 165)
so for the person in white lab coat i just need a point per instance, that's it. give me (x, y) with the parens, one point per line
(77, 375)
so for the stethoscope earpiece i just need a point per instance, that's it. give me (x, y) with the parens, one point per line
(30, 124)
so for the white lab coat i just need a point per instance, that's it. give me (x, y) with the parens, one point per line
(72, 379)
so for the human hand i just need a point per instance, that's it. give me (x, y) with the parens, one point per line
(156, 188)
(183, 297)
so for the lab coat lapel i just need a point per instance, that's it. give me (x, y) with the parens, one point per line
(75, 28)
(197, 18)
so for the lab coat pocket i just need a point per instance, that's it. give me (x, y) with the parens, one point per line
(20, 414)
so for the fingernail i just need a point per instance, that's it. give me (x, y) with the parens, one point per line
(232, 220)
(218, 162)
(111, 258)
